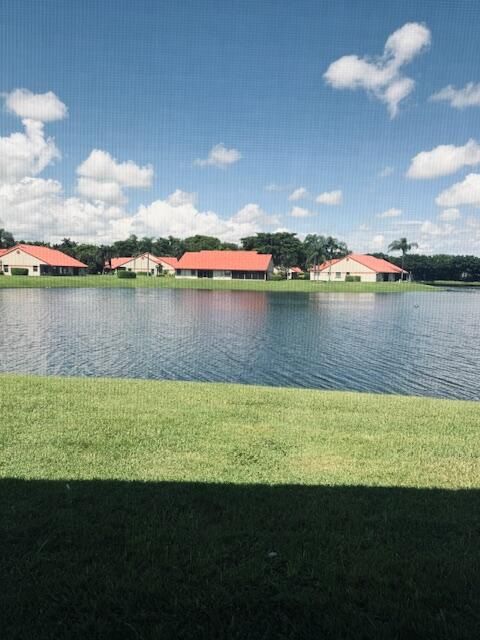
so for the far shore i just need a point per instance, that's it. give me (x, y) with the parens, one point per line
(167, 282)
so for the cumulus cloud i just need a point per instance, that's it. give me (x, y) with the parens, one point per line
(377, 242)
(298, 194)
(469, 96)
(273, 186)
(449, 215)
(465, 192)
(331, 198)
(26, 154)
(299, 212)
(390, 213)
(43, 107)
(101, 177)
(382, 76)
(179, 198)
(444, 160)
(219, 156)
(102, 167)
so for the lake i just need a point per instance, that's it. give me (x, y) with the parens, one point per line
(410, 343)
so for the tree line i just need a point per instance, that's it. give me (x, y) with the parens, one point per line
(286, 248)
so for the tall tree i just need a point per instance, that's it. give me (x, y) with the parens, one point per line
(202, 243)
(6, 239)
(404, 246)
(286, 248)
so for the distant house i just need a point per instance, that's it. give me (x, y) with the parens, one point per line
(293, 273)
(225, 265)
(40, 261)
(366, 268)
(145, 263)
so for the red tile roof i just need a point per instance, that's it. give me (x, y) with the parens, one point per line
(172, 262)
(52, 257)
(225, 260)
(378, 265)
(2, 251)
(296, 270)
(114, 263)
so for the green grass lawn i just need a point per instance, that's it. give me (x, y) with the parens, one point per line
(453, 283)
(142, 509)
(301, 286)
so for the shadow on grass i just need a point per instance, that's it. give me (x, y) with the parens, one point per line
(108, 559)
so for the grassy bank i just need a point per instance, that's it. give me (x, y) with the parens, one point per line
(452, 283)
(291, 286)
(184, 510)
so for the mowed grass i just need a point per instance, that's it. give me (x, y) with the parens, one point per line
(170, 282)
(142, 509)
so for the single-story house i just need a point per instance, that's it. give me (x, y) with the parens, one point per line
(367, 268)
(225, 265)
(293, 273)
(40, 261)
(145, 263)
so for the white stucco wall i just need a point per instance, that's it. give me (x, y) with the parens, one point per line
(346, 266)
(20, 259)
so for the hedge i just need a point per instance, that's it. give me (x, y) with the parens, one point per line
(19, 271)
(126, 274)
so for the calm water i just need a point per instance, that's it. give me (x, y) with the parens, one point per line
(415, 343)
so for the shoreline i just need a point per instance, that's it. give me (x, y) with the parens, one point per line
(144, 282)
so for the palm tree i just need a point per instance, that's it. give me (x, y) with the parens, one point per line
(404, 246)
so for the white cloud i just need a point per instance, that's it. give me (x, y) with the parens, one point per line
(102, 167)
(298, 194)
(469, 96)
(299, 212)
(179, 198)
(382, 76)
(449, 215)
(26, 154)
(331, 198)
(105, 191)
(390, 213)
(43, 107)
(386, 171)
(101, 177)
(219, 156)
(378, 242)
(161, 218)
(444, 160)
(432, 229)
(273, 186)
(460, 193)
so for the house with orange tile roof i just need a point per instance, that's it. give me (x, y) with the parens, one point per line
(225, 265)
(146, 263)
(360, 267)
(40, 261)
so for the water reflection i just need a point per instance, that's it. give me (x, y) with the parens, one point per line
(416, 343)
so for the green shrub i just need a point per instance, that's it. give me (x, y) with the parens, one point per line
(277, 276)
(353, 279)
(126, 274)
(19, 271)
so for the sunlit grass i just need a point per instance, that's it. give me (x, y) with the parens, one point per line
(292, 286)
(146, 509)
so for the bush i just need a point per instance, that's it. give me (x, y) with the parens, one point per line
(19, 271)
(277, 276)
(352, 279)
(126, 274)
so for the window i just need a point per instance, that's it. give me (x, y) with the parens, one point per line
(5, 267)
(338, 274)
(35, 267)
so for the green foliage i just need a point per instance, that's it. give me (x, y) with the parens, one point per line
(6, 239)
(19, 271)
(352, 279)
(126, 275)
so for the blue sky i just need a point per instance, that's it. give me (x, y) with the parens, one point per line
(159, 84)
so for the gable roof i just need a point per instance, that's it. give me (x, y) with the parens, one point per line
(52, 257)
(119, 262)
(172, 262)
(378, 265)
(2, 251)
(295, 270)
(225, 260)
